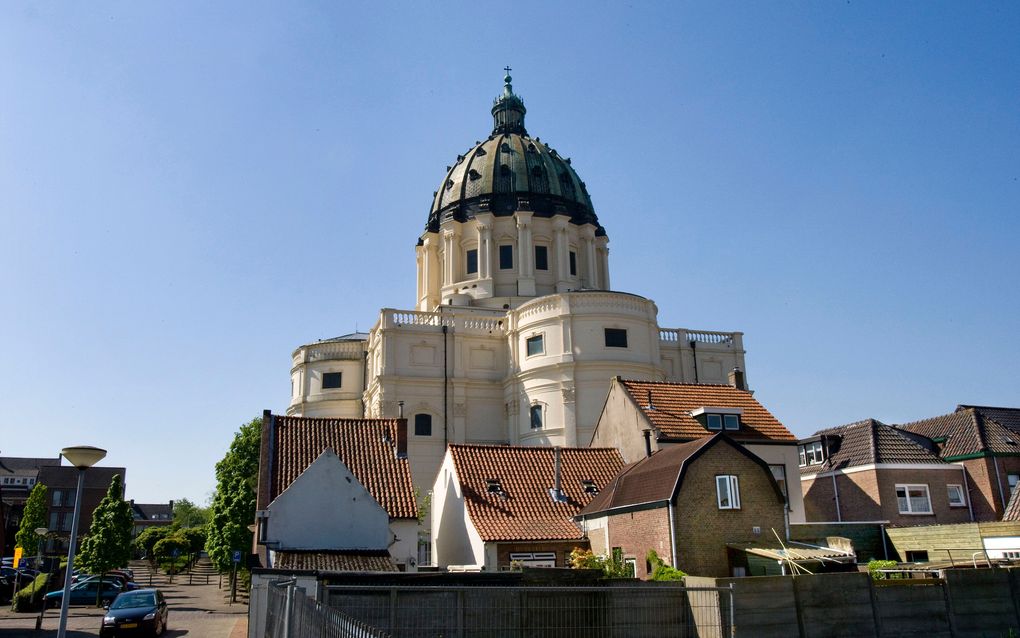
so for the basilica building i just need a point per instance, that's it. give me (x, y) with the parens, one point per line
(516, 333)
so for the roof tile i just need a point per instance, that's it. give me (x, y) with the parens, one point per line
(364, 445)
(526, 511)
(870, 441)
(335, 561)
(673, 402)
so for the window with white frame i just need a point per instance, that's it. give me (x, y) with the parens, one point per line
(779, 473)
(727, 491)
(913, 499)
(811, 453)
(956, 496)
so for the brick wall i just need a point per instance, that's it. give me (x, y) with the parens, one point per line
(562, 550)
(703, 530)
(819, 502)
(637, 532)
(985, 492)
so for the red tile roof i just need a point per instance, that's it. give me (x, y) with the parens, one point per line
(1012, 512)
(525, 510)
(366, 446)
(335, 561)
(672, 404)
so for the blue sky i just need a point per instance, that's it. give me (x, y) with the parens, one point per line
(188, 191)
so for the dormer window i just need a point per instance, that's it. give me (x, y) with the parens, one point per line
(494, 486)
(589, 486)
(811, 453)
(718, 419)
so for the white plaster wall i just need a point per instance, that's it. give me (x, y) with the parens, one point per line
(327, 508)
(405, 540)
(620, 425)
(454, 539)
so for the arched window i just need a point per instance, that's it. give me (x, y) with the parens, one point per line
(423, 425)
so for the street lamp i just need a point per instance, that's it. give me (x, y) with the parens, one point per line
(41, 533)
(82, 457)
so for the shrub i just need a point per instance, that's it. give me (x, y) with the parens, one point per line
(30, 596)
(662, 571)
(612, 566)
(875, 565)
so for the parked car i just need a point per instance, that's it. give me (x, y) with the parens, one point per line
(141, 611)
(125, 584)
(84, 593)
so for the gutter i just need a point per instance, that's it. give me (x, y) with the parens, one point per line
(672, 537)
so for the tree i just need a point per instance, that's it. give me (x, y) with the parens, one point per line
(611, 565)
(194, 537)
(233, 505)
(187, 514)
(166, 547)
(146, 541)
(34, 516)
(108, 543)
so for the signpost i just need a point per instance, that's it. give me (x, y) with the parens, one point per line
(173, 563)
(17, 576)
(236, 559)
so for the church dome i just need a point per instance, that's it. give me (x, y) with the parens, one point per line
(510, 171)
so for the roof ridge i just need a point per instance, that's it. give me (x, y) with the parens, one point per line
(681, 383)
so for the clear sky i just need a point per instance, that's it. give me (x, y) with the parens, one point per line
(190, 190)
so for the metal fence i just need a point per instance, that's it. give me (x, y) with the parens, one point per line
(614, 611)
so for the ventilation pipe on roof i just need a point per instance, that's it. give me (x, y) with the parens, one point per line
(648, 442)
(650, 406)
(557, 491)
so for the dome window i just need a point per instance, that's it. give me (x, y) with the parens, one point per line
(473, 175)
(531, 148)
(449, 184)
(505, 148)
(480, 152)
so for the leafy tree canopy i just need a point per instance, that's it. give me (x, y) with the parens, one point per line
(165, 547)
(34, 516)
(147, 540)
(194, 537)
(187, 514)
(233, 506)
(108, 543)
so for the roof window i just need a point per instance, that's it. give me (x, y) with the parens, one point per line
(589, 486)
(494, 486)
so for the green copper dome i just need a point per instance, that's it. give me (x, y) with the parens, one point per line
(511, 171)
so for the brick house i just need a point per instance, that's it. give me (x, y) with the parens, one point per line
(18, 476)
(497, 505)
(870, 471)
(693, 503)
(640, 417)
(953, 468)
(61, 482)
(148, 515)
(335, 494)
(982, 441)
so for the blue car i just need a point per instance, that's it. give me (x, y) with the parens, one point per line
(85, 593)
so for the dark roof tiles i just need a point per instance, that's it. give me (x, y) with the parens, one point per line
(524, 510)
(869, 442)
(334, 561)
(966, 433)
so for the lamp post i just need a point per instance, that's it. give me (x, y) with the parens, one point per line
(82, 457)
(41, 533)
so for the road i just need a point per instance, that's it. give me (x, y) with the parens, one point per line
(196, 611)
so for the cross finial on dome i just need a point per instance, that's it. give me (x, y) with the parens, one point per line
(508, 109)
(508, 88)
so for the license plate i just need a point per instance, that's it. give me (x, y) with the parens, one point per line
(129, 625)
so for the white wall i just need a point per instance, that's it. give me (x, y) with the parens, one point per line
(454, 539)
(326, 507)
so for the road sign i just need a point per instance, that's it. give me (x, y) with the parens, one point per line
(17, 556)
(237, 556)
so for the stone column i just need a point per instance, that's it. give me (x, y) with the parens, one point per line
(525, 255)
(560, 225)
(484, 246)
(602, 244)
(591, 267)
(451, 257)
(431, 276)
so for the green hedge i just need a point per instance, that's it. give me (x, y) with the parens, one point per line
(29, 597)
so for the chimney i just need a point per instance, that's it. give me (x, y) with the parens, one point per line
(557, 491)
(648, 442)
(401, 434)
(651, 406)
(737, 379)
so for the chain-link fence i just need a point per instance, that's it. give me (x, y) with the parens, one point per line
(615, 611)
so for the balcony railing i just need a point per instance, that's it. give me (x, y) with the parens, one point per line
(684, 336)
(457, 319)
